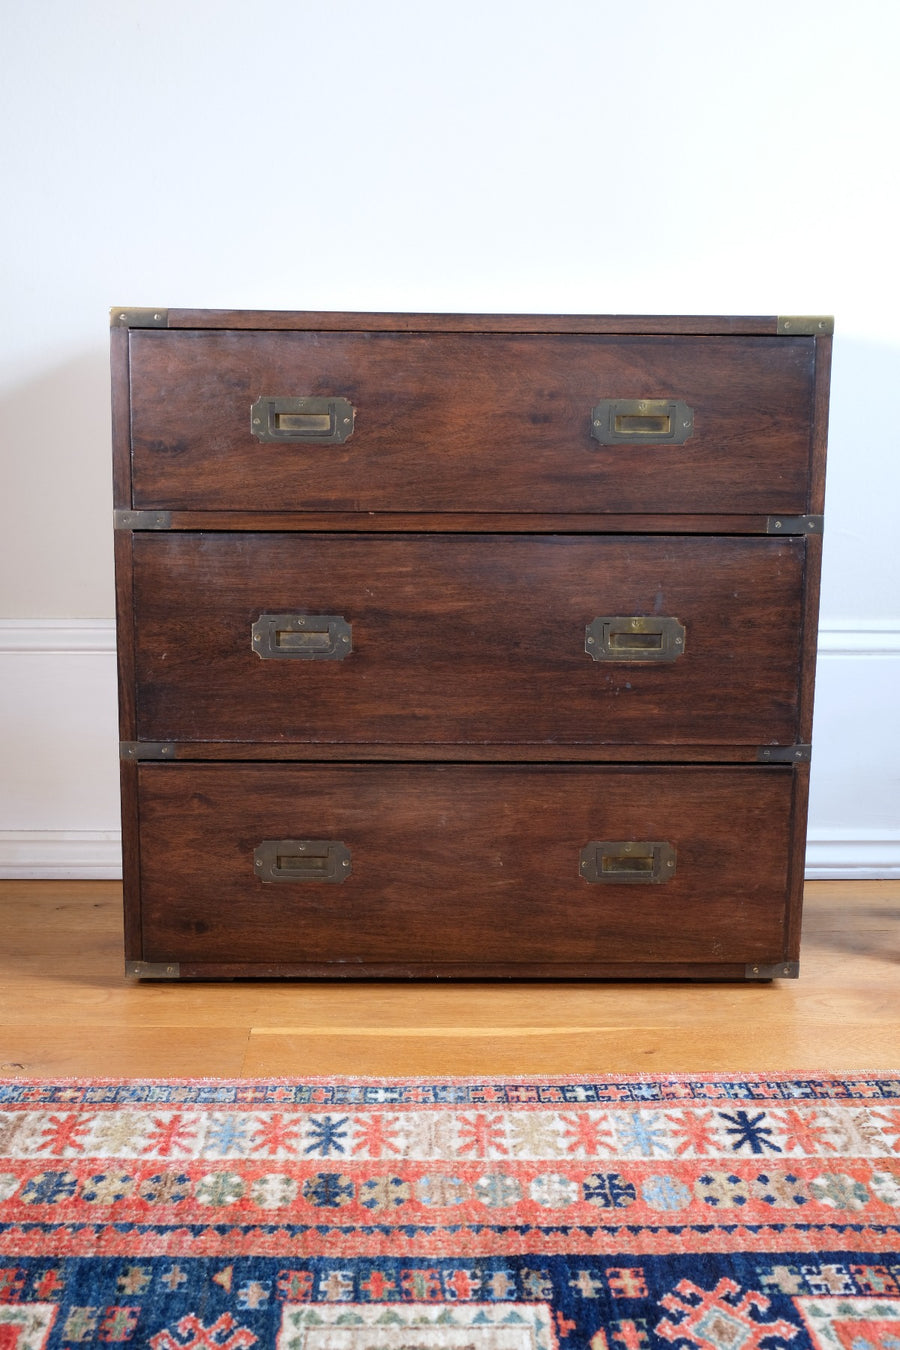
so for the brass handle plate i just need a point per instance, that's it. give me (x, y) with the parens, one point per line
(302, 637)
(302, 860)
(634, 638)
(627, 862)
(650, 421)
(313, 421)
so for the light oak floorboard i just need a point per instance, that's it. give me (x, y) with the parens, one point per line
(67, 1009)
(39, 1050)
(642, 1050)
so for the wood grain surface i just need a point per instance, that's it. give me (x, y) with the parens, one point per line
(473, 866)
(468, 639)
(470, 422)
(390, 322)
(468, 643)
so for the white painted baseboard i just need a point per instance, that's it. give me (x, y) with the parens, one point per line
(67, 636)
(875, 639)
(59, 785)
(860, 855)
(854, 808)
(59, 789)
(69, 854)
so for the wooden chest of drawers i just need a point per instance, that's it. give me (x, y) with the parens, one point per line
(459, 646)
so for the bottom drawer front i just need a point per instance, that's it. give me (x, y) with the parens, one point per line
(424, 866)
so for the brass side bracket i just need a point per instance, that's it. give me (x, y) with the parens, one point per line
(784, 754)
(146, 750)
(153, 970)
(781, 970)
(805, 325)
(795, 524)
(138, 318)
(142, 520)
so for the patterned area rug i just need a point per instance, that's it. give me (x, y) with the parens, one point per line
(627, 1213)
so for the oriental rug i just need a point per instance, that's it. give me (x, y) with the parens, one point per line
(622, 1213)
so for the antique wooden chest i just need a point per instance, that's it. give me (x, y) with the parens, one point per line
(466, 646)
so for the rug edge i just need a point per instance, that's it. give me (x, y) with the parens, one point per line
(432, 1080)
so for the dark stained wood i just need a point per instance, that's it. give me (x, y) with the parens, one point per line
(125, 615)
(335, 321)
(121, 417)
(467, 639)
(469, 970)
(419, 522)
(819, 439)
(796, 872)
(470, 422)
(807, 673)
(450, 751)
(809, 639)
(468, 747)
(463, 864)
(131, 859)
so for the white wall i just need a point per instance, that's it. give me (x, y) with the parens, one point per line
(655, 156)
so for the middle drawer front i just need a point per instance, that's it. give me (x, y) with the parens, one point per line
(453, 640)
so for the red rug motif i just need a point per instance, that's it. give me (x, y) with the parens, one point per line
(624, 1213)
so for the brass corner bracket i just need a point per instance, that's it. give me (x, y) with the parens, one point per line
(138, 318)
(779, 970)
(805, 325)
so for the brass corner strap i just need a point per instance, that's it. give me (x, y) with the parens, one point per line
(780, 970)
(784, 754)
(133, 750)
(142, 520)
(153, 970)
(795, 524)
(138, 318)
(805, 325)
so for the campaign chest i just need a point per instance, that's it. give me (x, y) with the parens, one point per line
(466, 646)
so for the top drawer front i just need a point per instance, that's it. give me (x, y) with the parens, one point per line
(470, 422)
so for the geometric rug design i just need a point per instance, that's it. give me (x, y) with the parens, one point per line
(701, 1212)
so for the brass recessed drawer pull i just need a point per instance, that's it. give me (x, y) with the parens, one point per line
(302, 637)
(619, 421)
(324, 421)
(627, 862)
(634, 638)
(302, 860)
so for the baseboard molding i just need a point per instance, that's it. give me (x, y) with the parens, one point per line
(58, 635)
(864, 856)
(873, 639)
(66, 855)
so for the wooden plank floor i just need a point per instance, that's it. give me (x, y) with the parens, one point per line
(66, 1008)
